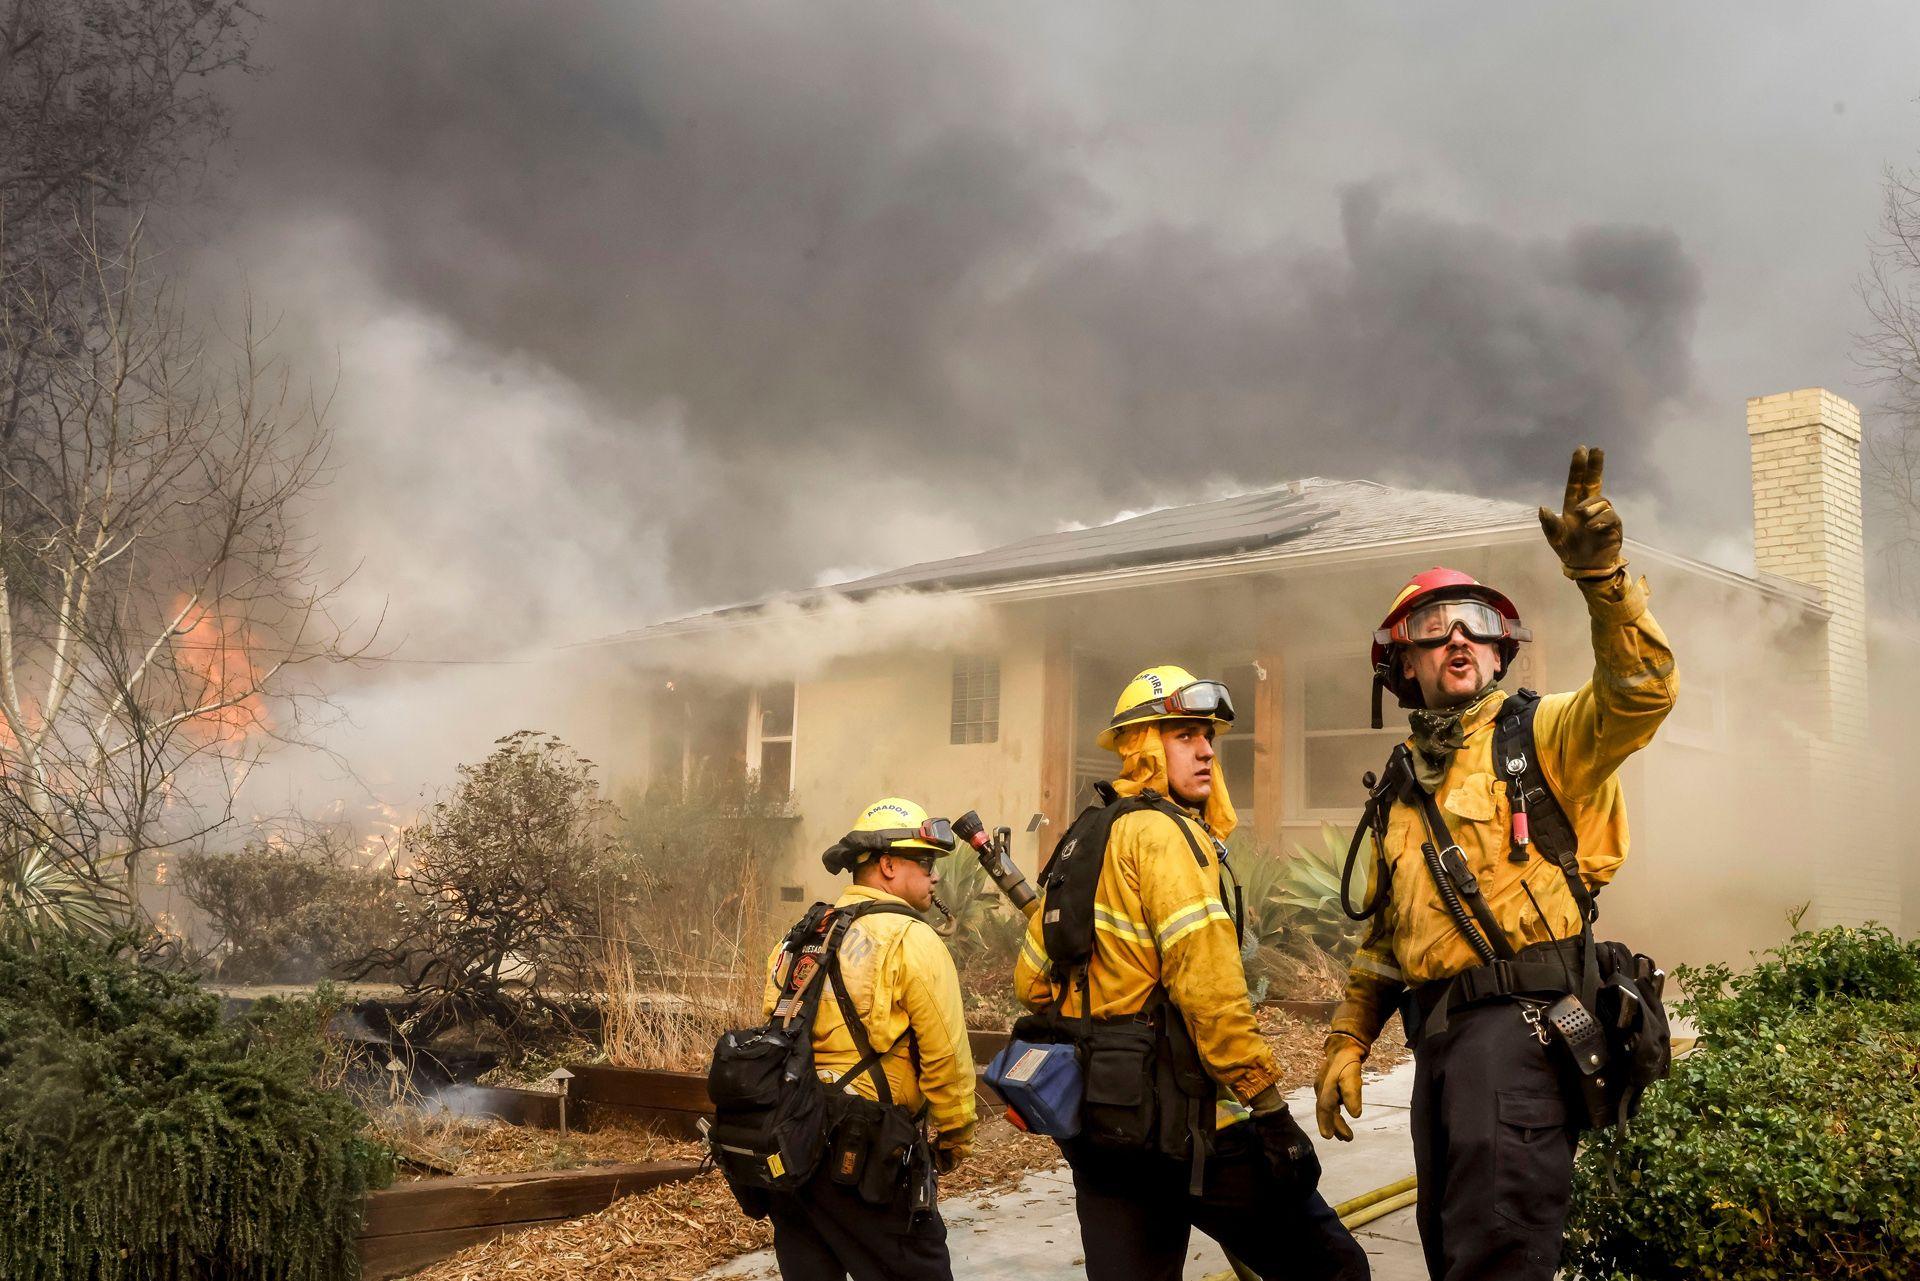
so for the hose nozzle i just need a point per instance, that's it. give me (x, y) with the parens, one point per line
(996, 859)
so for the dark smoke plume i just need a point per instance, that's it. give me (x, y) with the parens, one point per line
(774, 284)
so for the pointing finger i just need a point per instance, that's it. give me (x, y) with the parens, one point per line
(1596, 464)
(1576, 480)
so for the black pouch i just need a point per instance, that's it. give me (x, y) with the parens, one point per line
(1118, 1108)
(855, 1123)
(889, 1156)
(1580, 1044)
(1634, 1015)
(869, 1146)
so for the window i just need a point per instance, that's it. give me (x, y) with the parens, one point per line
(1337, 743)
(770, 737)
(976, 701)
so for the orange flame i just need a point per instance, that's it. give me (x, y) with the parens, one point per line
(212, 654)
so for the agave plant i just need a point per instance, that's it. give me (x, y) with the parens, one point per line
(1309, 891)
(42, 895)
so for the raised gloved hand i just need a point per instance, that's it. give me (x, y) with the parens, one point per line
(1586, 533)
(1338, 1086)
(1289, 1152)
(949, 1151)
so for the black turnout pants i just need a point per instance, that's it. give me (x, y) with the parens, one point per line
(1493, 1149)
(825, 1232)
(1136, 1215)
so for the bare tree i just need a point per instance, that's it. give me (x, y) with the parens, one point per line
(1890, 351)
(106, 109)
(156, 595)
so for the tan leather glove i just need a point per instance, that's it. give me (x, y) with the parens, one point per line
(1586, 533)
(1338, 1086)
(947, 1156)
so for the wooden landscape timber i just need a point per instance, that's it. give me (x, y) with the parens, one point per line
(412, 1224)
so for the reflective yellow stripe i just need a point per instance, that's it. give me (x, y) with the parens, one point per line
(1188, 919)
(1032, 954)
(1122, 926)
(1229, 1111)
(1367, 963)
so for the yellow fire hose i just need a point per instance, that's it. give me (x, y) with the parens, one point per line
(1362, 1209)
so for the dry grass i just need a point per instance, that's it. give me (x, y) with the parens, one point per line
(1303, 971)
(709, 979)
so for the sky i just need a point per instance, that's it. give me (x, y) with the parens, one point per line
(633, 309)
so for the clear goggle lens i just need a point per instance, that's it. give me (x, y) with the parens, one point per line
(1202, 698)
(1431, 625)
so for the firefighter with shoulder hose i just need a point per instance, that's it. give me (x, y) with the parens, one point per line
(1134, 960)
(889, 1041)
(1497, 823)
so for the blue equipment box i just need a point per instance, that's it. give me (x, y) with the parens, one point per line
(1042, 1084)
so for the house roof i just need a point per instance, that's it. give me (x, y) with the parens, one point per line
(1315, 515)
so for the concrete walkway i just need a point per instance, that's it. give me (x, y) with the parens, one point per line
(1029, 1233)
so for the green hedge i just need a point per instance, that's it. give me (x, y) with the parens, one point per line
(1787, 1144)
(141, 1137)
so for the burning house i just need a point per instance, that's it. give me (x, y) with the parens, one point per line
(995, 671)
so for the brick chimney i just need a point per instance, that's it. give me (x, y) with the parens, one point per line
(1807, 527)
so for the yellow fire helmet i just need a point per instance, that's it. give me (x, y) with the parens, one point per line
(1168, 693)
(892, 823)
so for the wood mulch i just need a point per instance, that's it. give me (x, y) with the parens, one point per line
(487, 1146)
(678, 1232)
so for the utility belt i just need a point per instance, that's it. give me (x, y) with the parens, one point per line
(1544, 970)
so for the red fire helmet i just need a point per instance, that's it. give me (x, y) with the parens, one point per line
(1438, 584)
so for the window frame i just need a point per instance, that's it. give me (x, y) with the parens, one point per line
(1294, 720)
(756, 740)
(955, 726)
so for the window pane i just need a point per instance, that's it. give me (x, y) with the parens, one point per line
(776, 766)
(1337, 693)
(1335, 763)
(776, 711)
(1236, 762)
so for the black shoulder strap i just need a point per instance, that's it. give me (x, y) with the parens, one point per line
(1450, 865)
(856, 1027)
(1542, 821)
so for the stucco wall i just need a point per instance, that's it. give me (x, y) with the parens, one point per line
(879, 726)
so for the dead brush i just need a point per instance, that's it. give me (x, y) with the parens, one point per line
(704, 977)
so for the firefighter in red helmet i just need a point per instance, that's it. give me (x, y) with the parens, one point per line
(1494, 1135)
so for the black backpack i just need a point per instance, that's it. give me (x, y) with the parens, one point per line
(771, 1111)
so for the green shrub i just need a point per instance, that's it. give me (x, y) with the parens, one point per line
(293, 909)
(1787, 1144)
(143, 1138)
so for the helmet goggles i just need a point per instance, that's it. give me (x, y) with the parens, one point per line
(935, 831)
(1432, 625)
(1203, 699)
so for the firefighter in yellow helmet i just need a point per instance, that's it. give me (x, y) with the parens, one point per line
(1138, 926)
(896, 1034)
(1493, 1136)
